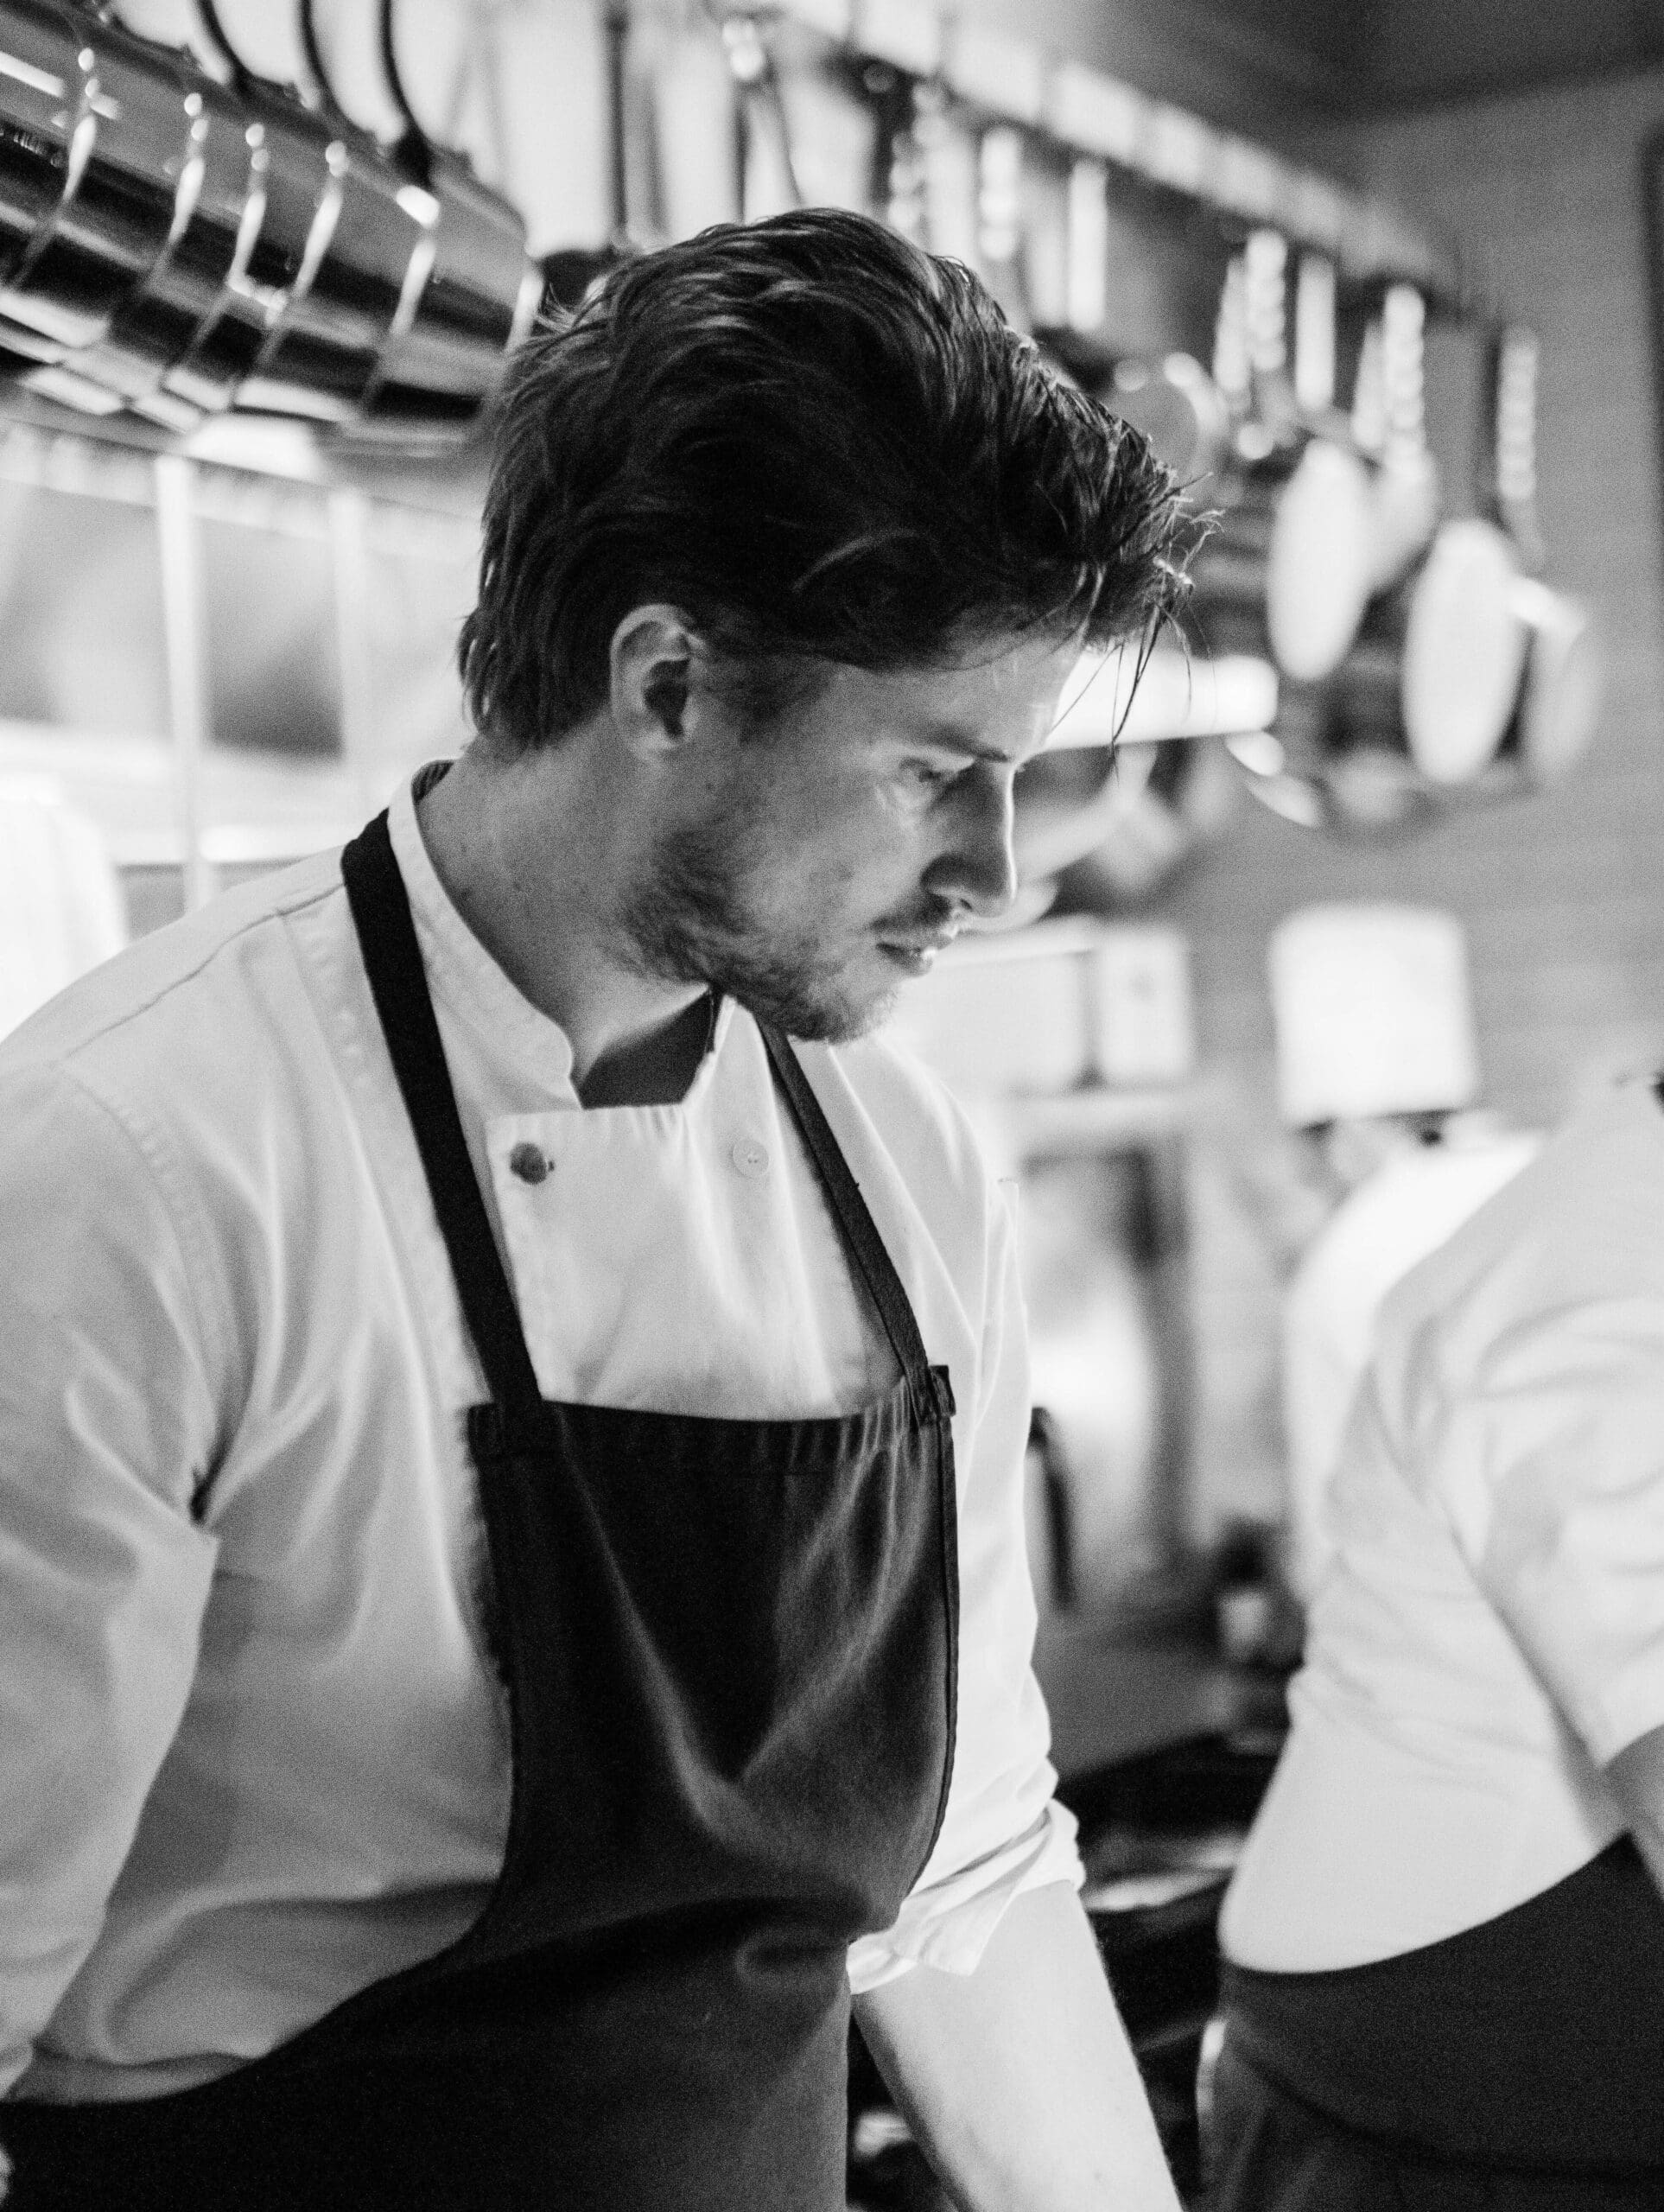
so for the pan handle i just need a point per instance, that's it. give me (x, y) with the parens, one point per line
(414, 152)
(218, 40)
(320, 92)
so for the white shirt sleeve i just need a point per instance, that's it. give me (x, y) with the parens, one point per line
(106, 1422)
(1003, 1833)
(1539, 1414)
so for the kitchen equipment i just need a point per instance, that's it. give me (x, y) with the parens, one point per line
(1001, 162)
(830, 127)
(550, 105)
(382, 288)
(1407, 490)
(1559, 699)
(47, 127)
(168, 310)
(367, 250)
(1288, 569)
(767, 183)
(118, 119)
(1424, 699)
(1418, 708)
(1437, 666)
(470, 292)
(267, 346)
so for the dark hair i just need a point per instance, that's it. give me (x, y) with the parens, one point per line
(821, 444)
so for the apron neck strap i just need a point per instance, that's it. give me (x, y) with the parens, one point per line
(878, 1269)
(392, 959)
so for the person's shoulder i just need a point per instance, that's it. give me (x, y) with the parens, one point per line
(171, 993)
(1578, 1227)
(1581, 1203)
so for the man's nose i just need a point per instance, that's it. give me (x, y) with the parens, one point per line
(978, 867)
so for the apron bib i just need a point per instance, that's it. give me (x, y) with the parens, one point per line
(729, 1650)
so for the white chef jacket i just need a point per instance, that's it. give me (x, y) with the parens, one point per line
(1407, 1209)
(255, 1751)
(1491, 1633)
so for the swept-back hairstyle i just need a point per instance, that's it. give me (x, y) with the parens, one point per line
(821, 444)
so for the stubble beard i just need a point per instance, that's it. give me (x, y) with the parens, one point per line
(690, 924)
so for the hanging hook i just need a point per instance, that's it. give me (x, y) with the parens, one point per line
(414, 149)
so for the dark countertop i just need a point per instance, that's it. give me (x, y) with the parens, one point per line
(1116, 1693)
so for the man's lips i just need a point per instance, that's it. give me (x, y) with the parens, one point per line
(915, 950)
(932, 943)
(929, 935)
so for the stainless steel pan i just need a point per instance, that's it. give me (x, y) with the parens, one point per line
(1287, 572)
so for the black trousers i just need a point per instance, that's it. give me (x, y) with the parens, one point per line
(1267, 2151)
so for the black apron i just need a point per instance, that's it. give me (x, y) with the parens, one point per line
(1526, 2054)
(730, 1654)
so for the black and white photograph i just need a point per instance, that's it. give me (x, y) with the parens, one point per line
(831, 1106)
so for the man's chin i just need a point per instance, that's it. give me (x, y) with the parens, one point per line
(821, 1017)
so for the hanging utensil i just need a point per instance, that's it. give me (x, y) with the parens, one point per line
(1557, 706)
(547, 105)
(765, 180)
(1437, 668)
(1429, 697)
(470, 292)
(1318, 561)
(1169, 397)
(1407, 493)
(1287, 571)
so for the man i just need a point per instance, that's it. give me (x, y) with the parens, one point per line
(1445, 1942)
(1378, 1072)
(511, 1491)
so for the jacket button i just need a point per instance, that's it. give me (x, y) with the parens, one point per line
(750, 1158)
(529, 1162)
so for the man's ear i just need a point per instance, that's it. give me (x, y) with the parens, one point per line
(655, 690)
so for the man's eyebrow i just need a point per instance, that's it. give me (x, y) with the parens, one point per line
(954, 737)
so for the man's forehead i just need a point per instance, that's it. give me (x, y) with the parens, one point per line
(990, 705)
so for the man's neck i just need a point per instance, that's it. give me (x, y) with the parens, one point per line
(522, 850)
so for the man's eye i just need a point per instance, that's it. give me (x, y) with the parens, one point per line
(928, 775)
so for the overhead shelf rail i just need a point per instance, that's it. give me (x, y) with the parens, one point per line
(1086, 109)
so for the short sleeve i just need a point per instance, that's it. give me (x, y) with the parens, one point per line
(1540, 1419)
(1569, 1423)
(1003, 1831)
(106, 1423)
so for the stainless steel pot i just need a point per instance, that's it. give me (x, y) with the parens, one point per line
(87, 204)
(206, 168)
(474, 292)
(47, 128)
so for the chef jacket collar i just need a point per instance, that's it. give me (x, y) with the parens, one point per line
(473, 987)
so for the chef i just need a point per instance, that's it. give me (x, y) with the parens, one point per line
(1445, 1942)
(512, 1603)
(1378, 1072)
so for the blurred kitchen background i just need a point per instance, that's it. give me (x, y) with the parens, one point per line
(1385, 283)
